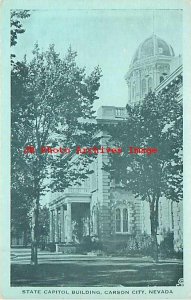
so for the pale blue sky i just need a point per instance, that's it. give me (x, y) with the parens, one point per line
(108, 38)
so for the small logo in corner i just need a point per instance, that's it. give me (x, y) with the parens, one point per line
(180, 282)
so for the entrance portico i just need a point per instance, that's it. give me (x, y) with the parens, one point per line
(61, 230)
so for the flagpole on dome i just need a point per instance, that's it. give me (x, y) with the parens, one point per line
(154, 36)
(153, 21)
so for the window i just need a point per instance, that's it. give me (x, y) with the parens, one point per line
(130, 92)
(118, 220)
(163, 48)
(125, 220)
(133, 91)
(121, 220)
(150, 84)
(143, 87)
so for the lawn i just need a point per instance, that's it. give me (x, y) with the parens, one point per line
(98, 272)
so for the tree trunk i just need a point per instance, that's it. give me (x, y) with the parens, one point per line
(155, 247)
(35, 234)
(154, 225)
(35, 213)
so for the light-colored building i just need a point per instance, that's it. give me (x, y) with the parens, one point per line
(100, 206)
(152, 63)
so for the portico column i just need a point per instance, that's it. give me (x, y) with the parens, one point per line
(51, 227)
(69, 223)
(62, 224)
(56, 225)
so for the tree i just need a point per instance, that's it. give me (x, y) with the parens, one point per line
(156, 122)
(20, 214)
(21, 188)
(16, 25)
(52, 105)
(20, 180)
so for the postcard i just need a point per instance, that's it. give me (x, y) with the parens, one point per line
(95, 149)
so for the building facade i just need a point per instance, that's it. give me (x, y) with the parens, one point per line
(100, 207)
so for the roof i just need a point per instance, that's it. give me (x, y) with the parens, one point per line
(151, 47)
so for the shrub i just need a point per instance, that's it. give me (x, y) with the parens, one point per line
(51, 247)
(139, 244)
(166, 247)
(89, 244)
(142, 244)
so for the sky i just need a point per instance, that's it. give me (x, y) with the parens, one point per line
(108, 38)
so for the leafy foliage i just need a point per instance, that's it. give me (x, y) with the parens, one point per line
(136, 244)
(156, 123)
(52, 105)
(16, 25)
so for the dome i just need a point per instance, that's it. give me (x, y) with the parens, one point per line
(152, 46)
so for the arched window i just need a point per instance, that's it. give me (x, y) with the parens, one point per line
(125, 220)
(121, 220)
(118, 220)
(143, 87)
(150, 83)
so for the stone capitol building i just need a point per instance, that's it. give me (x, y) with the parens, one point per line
(101, 207)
